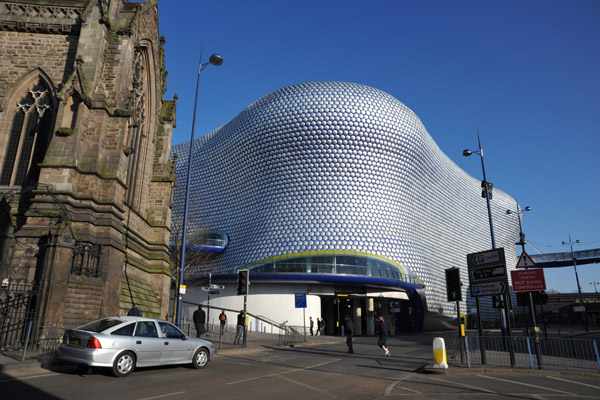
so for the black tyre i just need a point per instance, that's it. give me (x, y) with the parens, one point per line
(200, 358)
(124, 364)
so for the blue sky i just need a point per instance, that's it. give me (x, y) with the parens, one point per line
(526, 74)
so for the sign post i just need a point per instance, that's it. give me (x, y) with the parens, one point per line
(300, 302)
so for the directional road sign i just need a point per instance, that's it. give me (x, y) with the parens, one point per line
(218, 287)
(488, 289)
(487, 272)
(214, 292)
(205, 288)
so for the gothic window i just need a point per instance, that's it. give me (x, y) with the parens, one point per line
(28, 135)
(139, 128)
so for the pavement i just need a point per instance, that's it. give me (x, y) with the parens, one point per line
(11, 361)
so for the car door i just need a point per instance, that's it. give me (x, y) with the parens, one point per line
(147, 343)
(176, 348)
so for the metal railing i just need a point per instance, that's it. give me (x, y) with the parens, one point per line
(528, 352)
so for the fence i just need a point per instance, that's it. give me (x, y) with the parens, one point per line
(524, 352)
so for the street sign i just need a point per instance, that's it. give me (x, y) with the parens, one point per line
(217, 287)
(530, 280)
(525, 261)
(205, 288)
(488, 288)
(182, 289)
(487, 272)
(214, 292)
(578, 308)
(300, 300)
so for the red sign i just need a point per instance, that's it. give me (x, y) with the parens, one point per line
(530, 280)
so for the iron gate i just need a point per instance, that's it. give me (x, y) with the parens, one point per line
(18, 306)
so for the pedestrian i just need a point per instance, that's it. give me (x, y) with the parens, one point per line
(241, 322)
(199, 321)
(349, 327)
(223, 321)
(312, 325)
(135, 311)
(383, 334)
(318, 326)
(322, 331)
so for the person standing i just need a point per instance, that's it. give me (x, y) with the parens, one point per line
(135, 311)
(322, 328)
(199, 320)
(383, 334)
(349, 328)
(223, 321)
(318, 326)
(312, 325)
(241, 322)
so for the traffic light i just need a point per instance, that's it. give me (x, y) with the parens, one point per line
(243, 282)
(497, 301)
(453, 285)
(490, 187)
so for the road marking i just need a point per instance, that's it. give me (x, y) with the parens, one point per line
(26, 378)
(162, 396)
(239, 363)
(388, 391)
(285, 372)
(308, 386)
(578, 383)
(465, 385)
(526, 384)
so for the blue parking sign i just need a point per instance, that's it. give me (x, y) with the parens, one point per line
(300, 300)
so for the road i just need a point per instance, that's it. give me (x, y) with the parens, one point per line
(324, 372)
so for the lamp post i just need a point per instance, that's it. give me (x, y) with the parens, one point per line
(519, 212)
(585, 321)
(486, 188)
(595, 288)
(216, 60)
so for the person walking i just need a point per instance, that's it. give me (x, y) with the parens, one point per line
(199, 320)
(349, 328)
(322, 328)
(223, 321)
(135, 311)
(241, 322)
(318, 326)
(383, 334)
(312, 325)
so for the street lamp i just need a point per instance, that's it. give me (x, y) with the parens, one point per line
(519, 212)
(595, 288)
(571, 243)
(216, 60)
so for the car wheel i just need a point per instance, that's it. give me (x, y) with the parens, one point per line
(124, 364)
(200, 358)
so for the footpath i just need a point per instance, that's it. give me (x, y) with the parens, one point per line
(12, 361)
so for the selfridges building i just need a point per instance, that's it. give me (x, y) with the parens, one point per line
(336, 189)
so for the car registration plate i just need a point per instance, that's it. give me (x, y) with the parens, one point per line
(75, 340)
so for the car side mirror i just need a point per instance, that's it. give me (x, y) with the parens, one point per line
(184, 337)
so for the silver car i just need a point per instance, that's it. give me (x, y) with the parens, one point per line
(123, 343)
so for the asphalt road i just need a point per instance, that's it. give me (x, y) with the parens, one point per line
(301, 373)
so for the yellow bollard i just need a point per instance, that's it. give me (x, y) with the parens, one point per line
(439, 353)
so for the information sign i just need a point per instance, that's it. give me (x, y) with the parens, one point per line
(530, 280)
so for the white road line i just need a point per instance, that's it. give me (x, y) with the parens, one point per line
(575, 382)
(162, 396)
(239, 363)
(316, 389)
(285, 372)
(388, 391)
(527, 384)
(465, 385)
(26, 378)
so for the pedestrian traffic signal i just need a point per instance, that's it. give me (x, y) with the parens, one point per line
(497, 301)
(453, 284)
(243, 282)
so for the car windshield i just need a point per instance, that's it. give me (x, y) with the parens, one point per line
(100, 325)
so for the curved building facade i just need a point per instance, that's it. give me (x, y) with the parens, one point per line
(324, 182)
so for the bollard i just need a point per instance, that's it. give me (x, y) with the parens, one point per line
(439, 353)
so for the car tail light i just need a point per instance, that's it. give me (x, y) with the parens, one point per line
(93, 343)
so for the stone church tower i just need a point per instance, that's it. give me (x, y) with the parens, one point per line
(85, 177)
